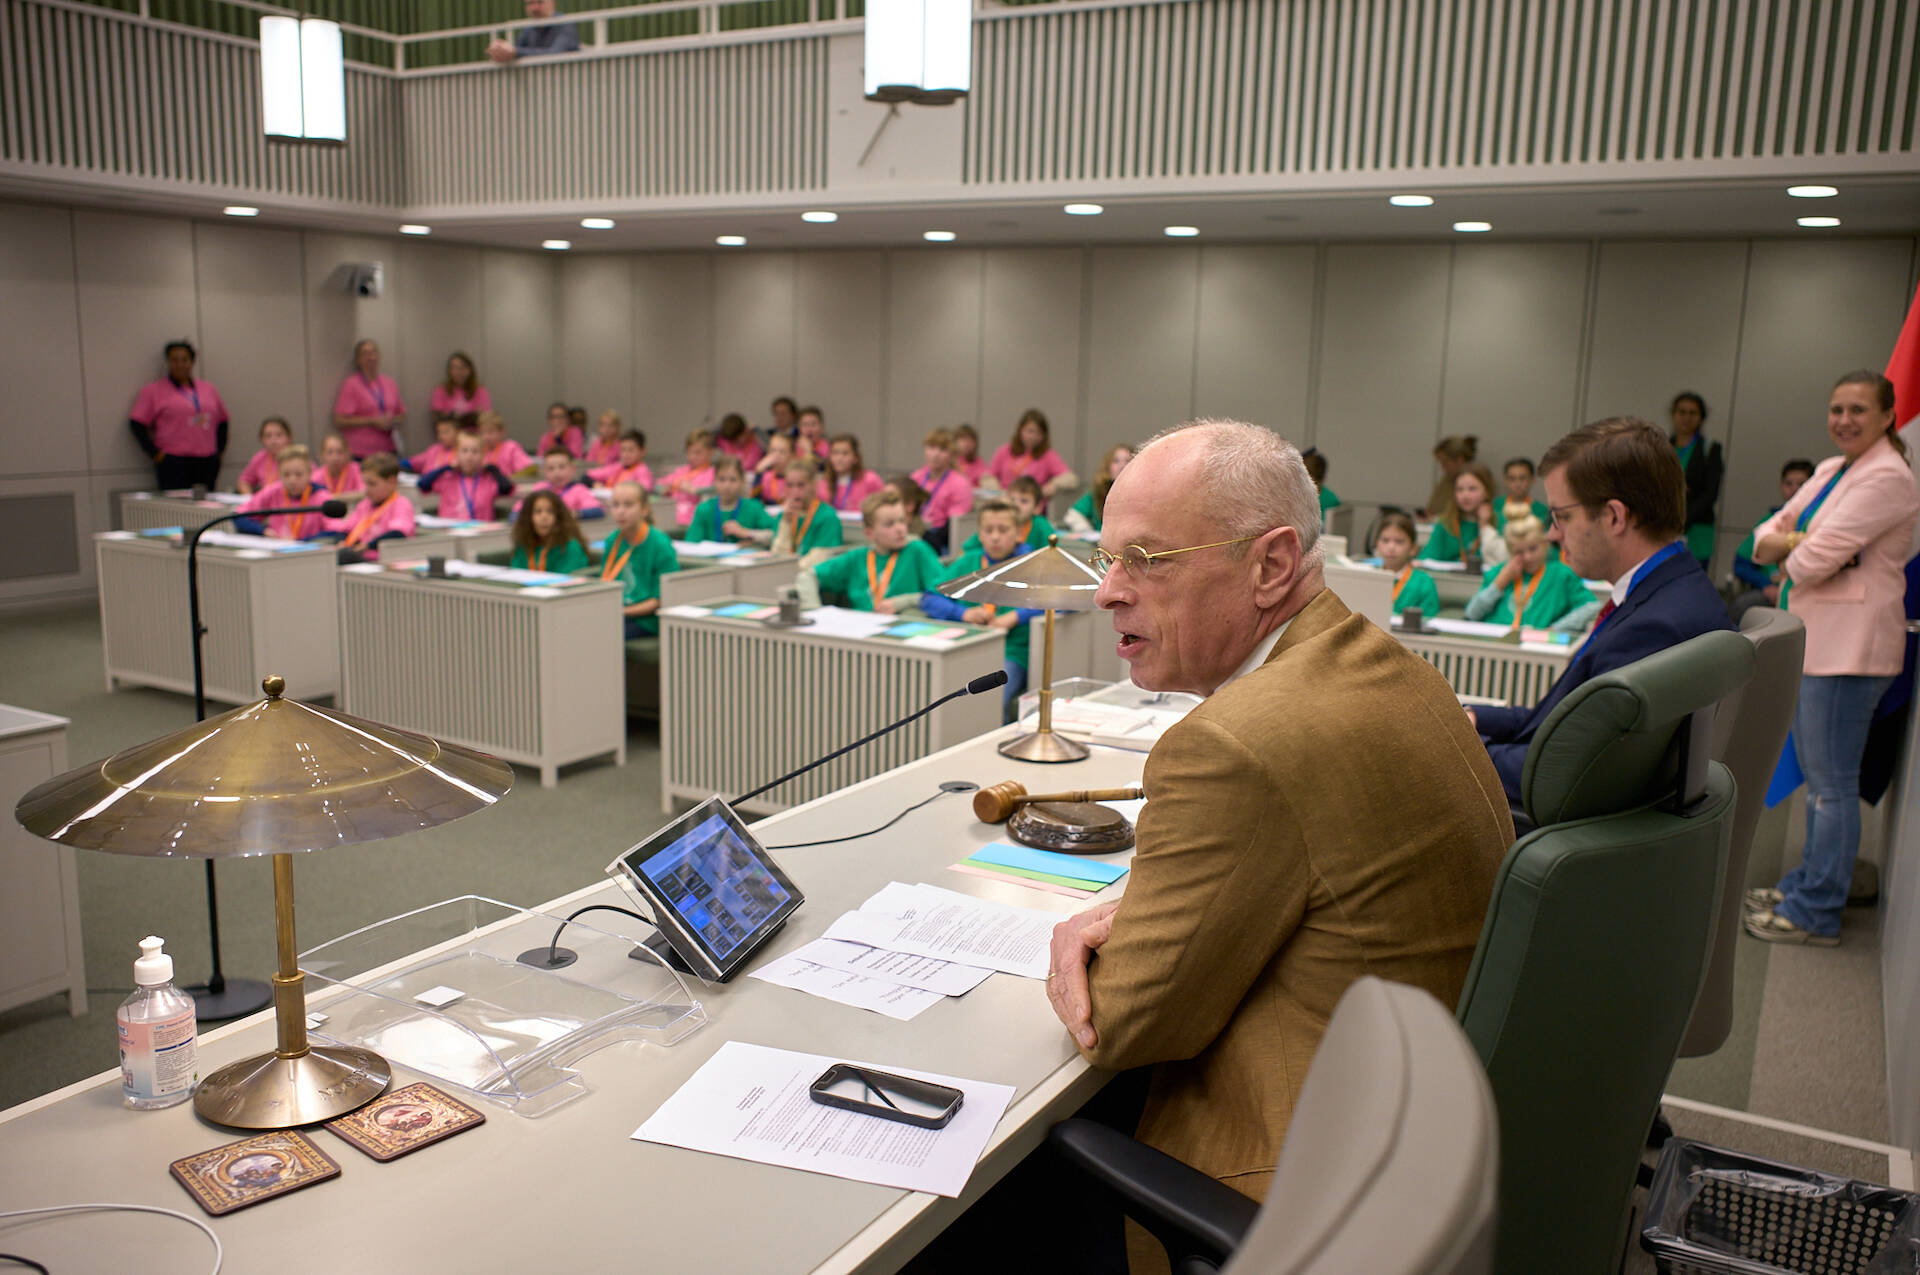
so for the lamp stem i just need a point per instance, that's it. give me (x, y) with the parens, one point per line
(289, 984)
(1046, 675)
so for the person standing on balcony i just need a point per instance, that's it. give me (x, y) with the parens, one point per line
(534, 42)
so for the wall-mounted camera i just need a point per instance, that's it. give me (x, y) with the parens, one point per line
(366, 278)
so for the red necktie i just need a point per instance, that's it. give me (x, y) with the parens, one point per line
(1605, 611)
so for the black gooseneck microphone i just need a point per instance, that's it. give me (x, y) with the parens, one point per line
(978, 686)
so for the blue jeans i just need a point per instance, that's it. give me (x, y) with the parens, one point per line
(1016, 687)
(1830, 731)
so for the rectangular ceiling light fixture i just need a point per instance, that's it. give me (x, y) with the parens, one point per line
(303, 79)
(919, 50)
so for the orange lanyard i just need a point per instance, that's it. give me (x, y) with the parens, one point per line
(800, 537)
(1020, 464)
(611, 566)
(298, 522)
(373, 515)
(540, 559)
(1520, 595)
(1400, 581)
(877, 584)
(1469, 535)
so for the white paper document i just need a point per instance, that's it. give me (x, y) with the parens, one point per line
(842, 622)
(751, 1102)
(943, 977)
(706, 549)
(895, 1000)
(924, 920)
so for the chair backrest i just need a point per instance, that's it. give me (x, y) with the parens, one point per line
(1391, 1163)
(1749, 729)
(1595, 944)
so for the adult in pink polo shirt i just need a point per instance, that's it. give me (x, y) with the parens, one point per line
(181, 423)
(368, 411)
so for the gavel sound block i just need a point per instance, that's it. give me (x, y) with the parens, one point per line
(1069, 822)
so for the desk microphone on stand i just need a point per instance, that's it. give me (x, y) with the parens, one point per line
(218, 998)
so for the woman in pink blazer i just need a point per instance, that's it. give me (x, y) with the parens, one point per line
(1843, 542)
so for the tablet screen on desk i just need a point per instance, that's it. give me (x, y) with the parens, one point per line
(714, 892)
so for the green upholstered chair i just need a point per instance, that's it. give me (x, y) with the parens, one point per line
(1596, 943)
(1390, 1166)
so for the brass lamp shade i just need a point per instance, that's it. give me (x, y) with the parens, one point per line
(270, 778)
(1049, 580)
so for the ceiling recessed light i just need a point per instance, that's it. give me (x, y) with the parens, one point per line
(938, 236)
(596, 223)
(820, 218)
(1819, 223)
(1410, 201)
(1182, 232)
(556, 245)
(1812, 192)
(731, 241)
(240, 210)
(1473, 227)
(411, 229)
(1083, 210)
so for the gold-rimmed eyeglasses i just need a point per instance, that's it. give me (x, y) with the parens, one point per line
(1139, 562)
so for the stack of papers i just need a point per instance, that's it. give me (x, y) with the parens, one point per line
(747, 610)
(843, 622)
(1112, 725)
(437, 523)
(266, 544)
(705, 549)
(1069, 874)
(752, 1103)
(892, 983)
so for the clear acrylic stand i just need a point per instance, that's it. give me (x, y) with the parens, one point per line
(514, 1031)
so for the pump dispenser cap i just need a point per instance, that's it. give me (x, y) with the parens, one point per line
(154, 966)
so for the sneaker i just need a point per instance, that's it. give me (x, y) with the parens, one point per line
(1762, 898)
(1770, 927)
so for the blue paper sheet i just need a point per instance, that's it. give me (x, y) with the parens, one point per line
(1008, 855)
(1787, 776)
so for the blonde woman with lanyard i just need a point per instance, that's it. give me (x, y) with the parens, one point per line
(637, 555)
(1843, 542)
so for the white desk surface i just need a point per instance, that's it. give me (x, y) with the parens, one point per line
(570, 1191)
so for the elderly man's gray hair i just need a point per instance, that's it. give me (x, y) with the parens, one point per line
(1254, 481)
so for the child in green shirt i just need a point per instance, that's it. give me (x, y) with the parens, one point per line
(1527, 590)
(1316, 462)
(1089, 513)
(1411, 587)
(999, 541)
(729, 514)
(1031, 527)
(889, 575)
(546, 537)
(637, 555)
(808, 526)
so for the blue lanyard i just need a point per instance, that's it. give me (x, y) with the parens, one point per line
(470, 491)
(1646, 568)
(192, 391)
(380, 395)
(1813, 506)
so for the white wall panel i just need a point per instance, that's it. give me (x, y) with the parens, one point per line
(673, 355)
(1253, 356)
(1515, 323)
(46, 429)
(1140, 361)
(1666, 318)
(1383, 324)
(337, 319)
(840, 337)
(596, 334)
(1031, 345)
(1814, 311)
(519, 294)
(440, 312)
(135, 290)
(933, 351)
(251, 320)
(754, 311)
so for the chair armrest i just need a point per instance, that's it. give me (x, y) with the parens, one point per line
(1187, 1211)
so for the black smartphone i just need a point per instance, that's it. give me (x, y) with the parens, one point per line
(883, 1094)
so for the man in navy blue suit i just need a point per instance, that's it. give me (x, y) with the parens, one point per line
(1619, 503)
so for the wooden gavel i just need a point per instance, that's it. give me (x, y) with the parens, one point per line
(994, 803)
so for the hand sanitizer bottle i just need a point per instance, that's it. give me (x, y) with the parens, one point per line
(158, 1063)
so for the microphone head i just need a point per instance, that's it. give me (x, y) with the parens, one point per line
(334, 509)
(981, 685)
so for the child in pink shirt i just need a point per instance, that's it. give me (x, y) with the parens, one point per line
(1030, 454)
(690, 482)
(561, 432)
(605, 447)
(812, 440)
(446, 432)
(338, 474)
(630, 466)
(263, 470)
(384, 514)
(576, 495)
(468, 487)
(852, 481)
(461, 394)
(948, 491)
(502, 452)
(769, 480)
(966, 454)
(737, 439)
(295, 488)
